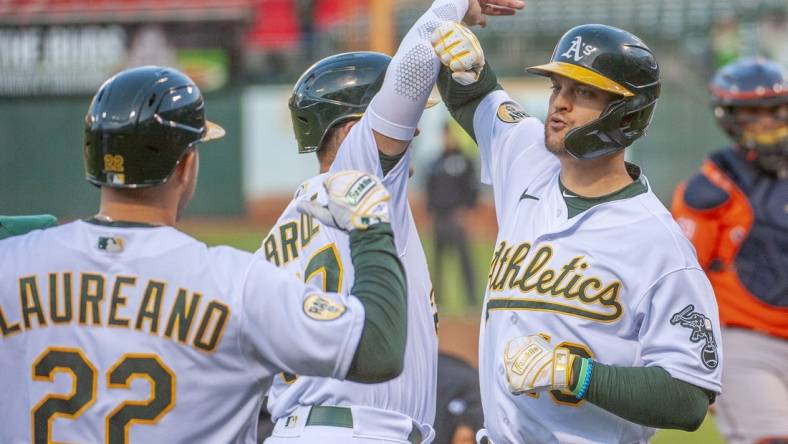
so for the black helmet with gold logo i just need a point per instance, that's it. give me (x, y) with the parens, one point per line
(615, 61)
(140, 123)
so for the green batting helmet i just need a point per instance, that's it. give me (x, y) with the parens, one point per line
(140, 123)
(612, 60)
(332, 91)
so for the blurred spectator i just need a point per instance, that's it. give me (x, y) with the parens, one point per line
(735, 212)
(726, 41)
(150, 46)
(458, 412)
(452, 188)
(773, 37)
(305, 11)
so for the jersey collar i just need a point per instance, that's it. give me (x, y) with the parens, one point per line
(576, 204)
(120, 223)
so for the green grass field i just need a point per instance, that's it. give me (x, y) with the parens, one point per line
(451, 300)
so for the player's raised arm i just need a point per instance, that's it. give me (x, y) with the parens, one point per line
(396, 109)
(359, 338)
(465, 77)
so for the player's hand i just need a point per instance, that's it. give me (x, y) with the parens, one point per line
(532, 365)
(478, 9)
(459, 50)
(353, 201)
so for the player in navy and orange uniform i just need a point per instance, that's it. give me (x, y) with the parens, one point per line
(735, 212)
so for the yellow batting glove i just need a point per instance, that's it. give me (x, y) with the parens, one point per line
(533, 366)
(459, 50)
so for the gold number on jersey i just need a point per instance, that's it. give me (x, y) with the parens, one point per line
(149, 411)
(83, 389)
(327, 263)
(83, 392)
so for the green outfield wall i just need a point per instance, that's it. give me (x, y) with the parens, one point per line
(41, 158)
(41, 162)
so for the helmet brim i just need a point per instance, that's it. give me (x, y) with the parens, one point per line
(213, 131)
(582, 75)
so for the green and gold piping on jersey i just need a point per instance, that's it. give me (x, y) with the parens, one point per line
(576, 204)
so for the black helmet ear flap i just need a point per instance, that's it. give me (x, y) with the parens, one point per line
(599, 137)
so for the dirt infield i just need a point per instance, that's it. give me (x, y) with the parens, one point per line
(459, 336)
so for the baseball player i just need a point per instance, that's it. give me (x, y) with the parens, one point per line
(359, 111)
(122, 329)
(16, 225)
(735, 212)
(598, 324)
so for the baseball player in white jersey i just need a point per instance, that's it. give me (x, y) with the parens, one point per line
(598, 323)
(122, 329)
(359, 111)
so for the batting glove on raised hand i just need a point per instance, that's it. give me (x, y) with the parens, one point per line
(459, 50)
(353, 201)
(532, 365)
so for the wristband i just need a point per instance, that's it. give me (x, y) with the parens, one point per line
(586, 369)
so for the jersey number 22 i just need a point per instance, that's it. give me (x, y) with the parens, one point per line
(83, 393)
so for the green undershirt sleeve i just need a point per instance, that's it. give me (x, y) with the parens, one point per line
(16, 225)
(462, 100)
(387, 163)
(648, 396)
(381, 287)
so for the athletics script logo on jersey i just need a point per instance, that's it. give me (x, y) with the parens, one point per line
(585, 296)
(701, 330)
(578, 50)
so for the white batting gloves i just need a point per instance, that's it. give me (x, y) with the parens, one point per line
(533, 366)
(459, 50)
(354, 201)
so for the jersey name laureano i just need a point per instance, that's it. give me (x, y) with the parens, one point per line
(565, 290)
(94, 300)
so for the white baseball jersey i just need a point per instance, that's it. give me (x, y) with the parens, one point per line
(617, 282)
(320, 255)
(146, 335)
